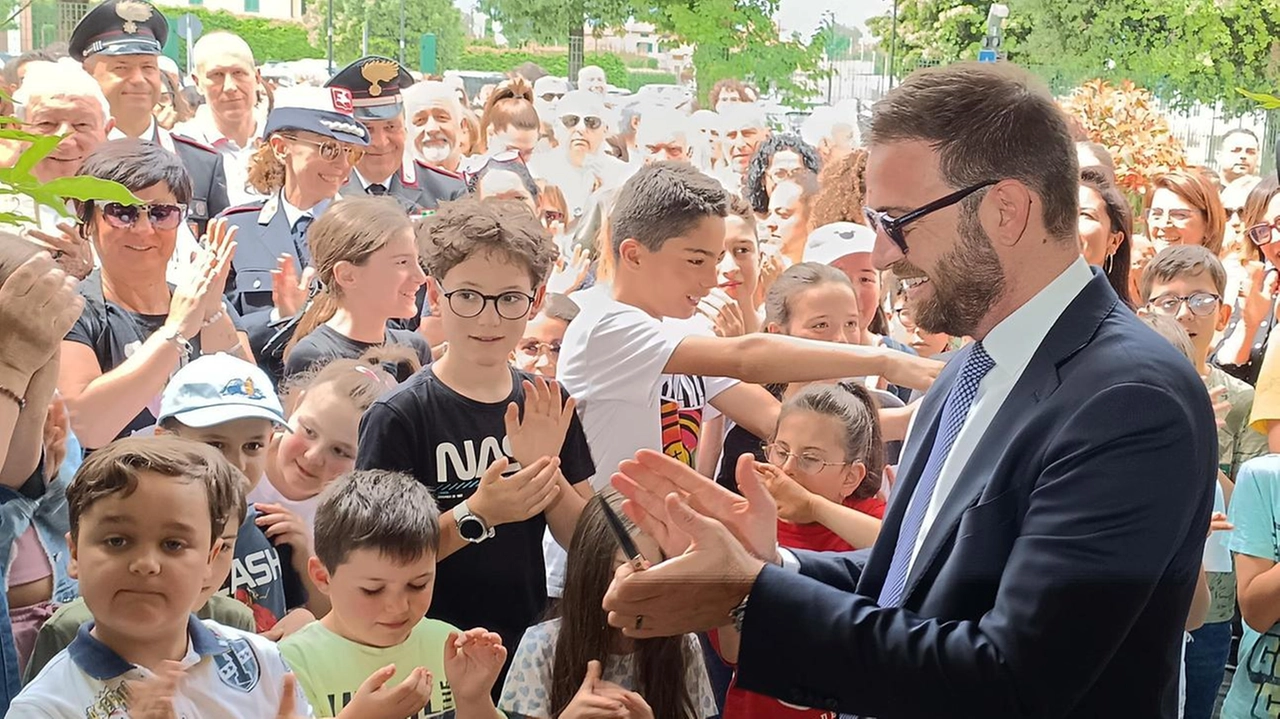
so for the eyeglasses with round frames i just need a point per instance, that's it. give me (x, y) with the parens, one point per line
(1200, 304)
(807, 463)
(331, 149)
(511, 305)
(893, 226)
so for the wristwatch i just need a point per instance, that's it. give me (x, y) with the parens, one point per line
(471, 527)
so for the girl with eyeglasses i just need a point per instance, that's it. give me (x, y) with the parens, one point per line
(136, 329)
(366, 260)
(312, 143)
(824, 470)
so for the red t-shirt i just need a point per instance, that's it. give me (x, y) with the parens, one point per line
(742, 704)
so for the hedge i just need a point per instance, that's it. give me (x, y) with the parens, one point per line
(271, 40)
(556, 62)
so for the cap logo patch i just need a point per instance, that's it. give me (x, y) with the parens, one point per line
(378, 72)
(242, 388)
(133, 12)
(341, 100)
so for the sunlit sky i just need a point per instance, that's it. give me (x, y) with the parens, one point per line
(803, 16)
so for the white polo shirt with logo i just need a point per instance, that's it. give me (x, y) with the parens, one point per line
(229, 673)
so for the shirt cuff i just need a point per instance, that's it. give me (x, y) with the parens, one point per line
(788, 560)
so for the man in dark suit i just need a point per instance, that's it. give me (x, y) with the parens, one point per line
(377, 86)
(119, 42)
(1044, 536)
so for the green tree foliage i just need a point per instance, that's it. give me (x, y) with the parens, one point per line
(555, 61)
(1185, 51)
(421, 16)
(733, 38)
(547, 22)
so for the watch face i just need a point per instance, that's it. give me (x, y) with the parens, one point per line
(471, 529)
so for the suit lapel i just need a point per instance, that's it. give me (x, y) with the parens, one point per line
(1071, 333)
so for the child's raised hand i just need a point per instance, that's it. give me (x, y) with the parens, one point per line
(503, 500)
(152, 697)
(540, 433)
(374, 700)
(472, 662)
(588, 704)
(284, 527)
(795, 503)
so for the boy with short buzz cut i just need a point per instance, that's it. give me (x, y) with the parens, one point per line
(641, 382)
(501, 450)
(144, 516)
(374, 654)
(229, 404)
(1186, 283)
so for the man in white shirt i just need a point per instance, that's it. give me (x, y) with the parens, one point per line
(579, 166)
(228, 79)
(1044, 538)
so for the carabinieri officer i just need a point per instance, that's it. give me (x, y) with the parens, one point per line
(376, 85)
(311, 142)
(119, 42)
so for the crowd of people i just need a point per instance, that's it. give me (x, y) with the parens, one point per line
(330, 423)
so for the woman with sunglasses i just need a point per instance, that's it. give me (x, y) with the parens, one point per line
(136, 330)
(311, 143)
(1253, 303)
(579, 166)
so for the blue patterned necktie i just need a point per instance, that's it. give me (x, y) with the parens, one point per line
(954, 412)
(300, 240)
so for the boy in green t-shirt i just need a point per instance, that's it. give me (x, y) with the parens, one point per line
(374, 653)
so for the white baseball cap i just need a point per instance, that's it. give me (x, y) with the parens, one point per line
(832, 242)
(219, 388)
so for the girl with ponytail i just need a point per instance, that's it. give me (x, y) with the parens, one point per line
(366, 260)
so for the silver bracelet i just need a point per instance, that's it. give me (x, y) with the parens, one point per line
(209, 322)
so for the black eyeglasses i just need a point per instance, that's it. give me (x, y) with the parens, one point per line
(1200, 304)
(893, 226)
(591, 121)
(161, 217)
(1263, 233)
(469, 303)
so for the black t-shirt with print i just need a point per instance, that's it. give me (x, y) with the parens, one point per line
(446, 441)
(325, 343)
(262, 575)
(115, 333)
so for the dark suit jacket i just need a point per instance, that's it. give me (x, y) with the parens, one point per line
(419, 189)
(208, 181)
(1056, 579)
(261, 237)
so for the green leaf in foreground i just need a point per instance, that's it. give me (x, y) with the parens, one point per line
(90, 188)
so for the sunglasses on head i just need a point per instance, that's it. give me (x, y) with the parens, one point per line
(591, 121)
(160, 217)
(331, 149)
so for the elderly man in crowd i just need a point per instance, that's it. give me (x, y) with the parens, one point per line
(228, 122)
(59, 99)
(664, 134)
(744, 126)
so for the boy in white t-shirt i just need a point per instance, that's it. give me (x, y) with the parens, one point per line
(639, 382)
(144, 516)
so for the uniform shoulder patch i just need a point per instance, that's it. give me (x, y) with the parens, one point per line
(239, 209)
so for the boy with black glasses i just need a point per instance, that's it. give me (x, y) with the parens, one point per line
(502, 451)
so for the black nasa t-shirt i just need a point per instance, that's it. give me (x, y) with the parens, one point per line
(114, 334)
(446, 441)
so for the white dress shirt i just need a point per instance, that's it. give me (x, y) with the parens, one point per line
(235, 159)
(1012, 343)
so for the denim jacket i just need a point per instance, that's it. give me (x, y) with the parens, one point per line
(44, 505)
